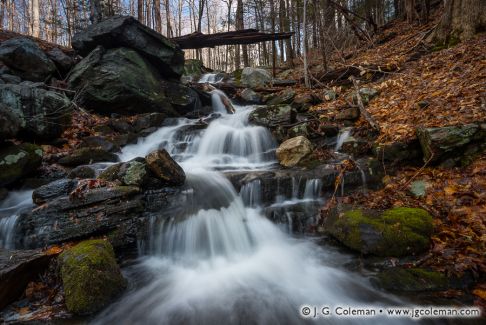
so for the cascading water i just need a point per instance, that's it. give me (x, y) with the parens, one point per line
(221, 261)
(343, 135)
(211, 78)
(10, 209)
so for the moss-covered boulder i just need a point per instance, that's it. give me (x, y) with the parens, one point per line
(411, 280)
(18, 161)
(83, 156)
(134, 172)
(394, 232)
(294, 151)
(91, 276)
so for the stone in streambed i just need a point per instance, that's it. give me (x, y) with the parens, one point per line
(17, 161)
(250, 96)
(293, 151)
(165, 168)
(255, 77)
(53, 190)
(411, 280)
(84, 156)
(91, 276)
(272, 116)
(395, 232)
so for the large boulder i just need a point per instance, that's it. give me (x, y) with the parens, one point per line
(124, 31)
(25, 58)
(193, 70)
(293, 151)
(165, 168)
(284, 97)
(9, 123)
(17, 161)
(34, 113)
(395, 232)
(119, 81)
(63, 62)
(90, 276)
(134, 172)
(254, 77)
(452, 145)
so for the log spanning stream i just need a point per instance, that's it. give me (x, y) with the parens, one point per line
(225, 262)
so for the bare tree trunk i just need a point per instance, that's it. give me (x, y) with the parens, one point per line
(157, 17)
(35, 18)
(140, 11)
(306, 66)
(461, 20)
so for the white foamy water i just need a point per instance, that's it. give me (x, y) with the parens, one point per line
(221, 261)
(10, 209)
(211, 78)
(343, 135)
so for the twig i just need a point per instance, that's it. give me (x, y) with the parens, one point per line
(418, 172)
(362, 109)
(61, 89)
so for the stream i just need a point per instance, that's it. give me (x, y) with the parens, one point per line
(221, 260)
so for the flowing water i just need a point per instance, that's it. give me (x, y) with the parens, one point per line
(10, 209)
(225, 262)
(211, 78)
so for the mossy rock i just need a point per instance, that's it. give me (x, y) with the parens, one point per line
(90, 276)
(84, 156)
(17, 161)
(411, 280)
(394, 232)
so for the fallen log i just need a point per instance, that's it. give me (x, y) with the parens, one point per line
(368, 73)
(199, 40)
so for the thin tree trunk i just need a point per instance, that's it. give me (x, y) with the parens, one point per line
(306, 66)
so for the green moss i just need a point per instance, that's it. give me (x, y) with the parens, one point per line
(412, 280)
(90, 276)
(395, 232)
(110, 173)
(17, 161)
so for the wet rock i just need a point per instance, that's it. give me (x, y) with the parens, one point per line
(165, 168)
(63, 62)
(134, 172)
(411, 280)
(452, 145)
(40, 114)
(355, 146)
(193, 70)
(293, 151)
(91, 277)
(284, 97)
(25, 58)
(95, 211)
(17, 269)
(85, 156)
(302, 129)
(82, 172)
(149, 120)
(9, 123)
(61, 187)
(272, 116)
(99, 142)
(121, 126)
(119, 81)
(351, 114)
(184, 99)
(250, 96)
(124, 31)
(395, 232)
(124, 139)
(329, 130)
(18, 161)
(398, 152)
(11, 79)
(254, 77)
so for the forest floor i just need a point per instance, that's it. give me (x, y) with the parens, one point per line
(451, 82)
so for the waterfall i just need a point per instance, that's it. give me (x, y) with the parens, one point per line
(211, 78)
(10, 209)
(343, 135)
(220, 260)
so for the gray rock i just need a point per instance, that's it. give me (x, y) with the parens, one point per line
(124, 31)
(254, 77)
(82, 172)
(272, 116)
(61, 187)
(419, 188)
(250, 96)
(283, 97)
(25, 58)
(9, 123)
(63, 61)
(452, 145)
(11, 79)
(99, 142)
(41, 114)
(150, 120)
